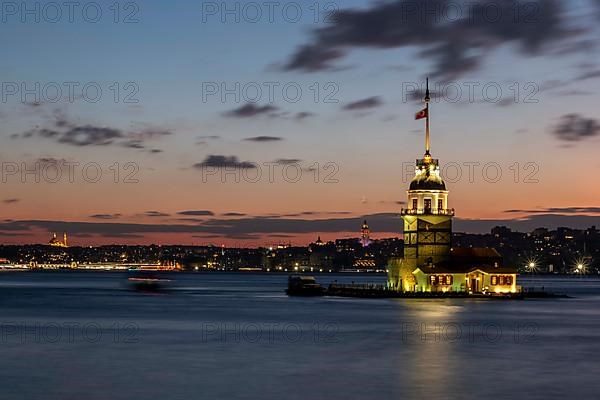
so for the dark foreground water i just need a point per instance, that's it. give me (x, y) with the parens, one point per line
(81, 335)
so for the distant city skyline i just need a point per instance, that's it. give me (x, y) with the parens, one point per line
(283, 129)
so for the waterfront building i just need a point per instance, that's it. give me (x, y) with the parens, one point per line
(430, 263)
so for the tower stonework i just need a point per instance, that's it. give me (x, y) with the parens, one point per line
(427, 222)
(427, 219)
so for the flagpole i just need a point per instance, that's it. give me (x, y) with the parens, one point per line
(427, 119)
(427, 131)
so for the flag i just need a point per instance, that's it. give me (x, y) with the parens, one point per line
(421, 114)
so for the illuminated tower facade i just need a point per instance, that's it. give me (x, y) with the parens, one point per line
(365, 234)
(427, 218)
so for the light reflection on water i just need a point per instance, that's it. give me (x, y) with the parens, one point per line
(237, 336)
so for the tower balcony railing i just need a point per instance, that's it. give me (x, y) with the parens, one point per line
(427, 211)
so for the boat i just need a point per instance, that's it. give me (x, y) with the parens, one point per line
(301, 285)
(148, 283)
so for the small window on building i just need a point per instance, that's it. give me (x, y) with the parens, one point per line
(440, 204)
(414, 206)
(427, 204)
(494, 280)
(433, 279)
(509, 280)
(448, 279)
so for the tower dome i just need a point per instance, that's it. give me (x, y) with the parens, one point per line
(427, 176)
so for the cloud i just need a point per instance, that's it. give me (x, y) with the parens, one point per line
(364, 104)
(400, 68)
(505, 102)
(251, 110)
(527, 224)
(193, 220)
(419, 94)
(557, 210)
(122, 235)
(268, 225)
(11, 201)
(287, 161)
(394, 202)
(303, 115)
(581, 46)
(262, 139)
(64, 131)
(150, 133)
(138, 139)
(233, 214)
(85, 135)
(208, 236)
(311, 213)
(133, 144)
(196, 213)
(313, 58)
(219, 161)
(203, 140)
(454, 45)
(155, 214)
(575, 127)
(574, 92)
(50, 164)
(592, 74)
(34, 104)
(383, 222)
(243, 236)
(14, 234)
(106, 216)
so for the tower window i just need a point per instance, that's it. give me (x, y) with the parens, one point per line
(414, 205)
(440, 204)
(427, 204)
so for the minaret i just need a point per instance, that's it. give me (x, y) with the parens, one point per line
(427, 218)
(65, 239)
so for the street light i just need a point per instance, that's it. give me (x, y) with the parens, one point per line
(531, 266)
(581, 266)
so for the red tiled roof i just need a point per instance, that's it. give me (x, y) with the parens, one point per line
(469, 259)
(475, 252)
